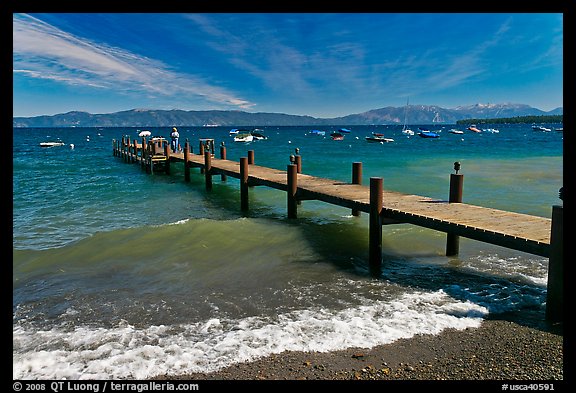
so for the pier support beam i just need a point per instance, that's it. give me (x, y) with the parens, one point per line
(186, 159)
(555, 290)
(356, 179)
(292, 173)
(375, 225)
(223, 157)
(208, 169)
(244, 183)
(456, 186)
(167, 154)
(250, 157)
(143, 152)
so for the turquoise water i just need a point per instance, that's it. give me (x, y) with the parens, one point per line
(120, 274)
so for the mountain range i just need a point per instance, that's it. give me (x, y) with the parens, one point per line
(415, 114)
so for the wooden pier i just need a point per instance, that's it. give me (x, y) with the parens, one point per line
(531, 234)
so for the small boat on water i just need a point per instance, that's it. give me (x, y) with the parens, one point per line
(144, 133)
(455, 131)
(541, 128)
(473, 128)
(51, 144)
(244, 137)
(258, 134)
(235, 131)
(378, 139)
(344, 131)
(425, 133)
(337, 136)
(318, 132)
(491, 130)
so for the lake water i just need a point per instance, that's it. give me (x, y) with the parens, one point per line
(120, 274)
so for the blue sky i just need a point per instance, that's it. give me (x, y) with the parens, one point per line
(318, 64)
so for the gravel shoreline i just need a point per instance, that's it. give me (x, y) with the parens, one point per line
(497, 350)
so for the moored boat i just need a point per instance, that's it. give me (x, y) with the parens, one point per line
(378, 139)
(337, 136)
(51, 144)
(541, 128)
(244, 137)
(473, 128)
(425, 133)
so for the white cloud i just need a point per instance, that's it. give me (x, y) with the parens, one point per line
(43, 51)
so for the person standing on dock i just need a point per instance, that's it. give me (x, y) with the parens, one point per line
(175, 136)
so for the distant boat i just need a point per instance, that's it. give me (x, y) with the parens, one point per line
(144, 133)
(318, 132)
(405, 129)
(561, 129)
(474, 128)
(455, 131)
(344, 130)
(425, 133)
(244, 137)
(541, 128)
(235, 131)
(491, 130)
(258, 134)
(378, 138)
(337, 136)
(51, 144)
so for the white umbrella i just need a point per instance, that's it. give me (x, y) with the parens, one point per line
(144, 133)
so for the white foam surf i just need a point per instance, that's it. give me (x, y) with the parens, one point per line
(125, 351)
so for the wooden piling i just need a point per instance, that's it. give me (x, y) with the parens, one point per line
(186, 161)
(208, 171)
(143, 152)
(167, 154)
(555, 290)
(298, 160)
(244, 183)
(201, 152)
(134, 150)
(223, 157)
(455, 196)
(250, 157)
(356, 179)
(292, 173)
(375, 224)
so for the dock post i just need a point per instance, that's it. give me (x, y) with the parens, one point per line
(114, 147)
(143, 152)
(250, 157)
(167, 154)
(375, 225)
(456, 186)
(298, 160)
(122, 148)
(201, 153)
(555, 288)
(208, 167)
(135, 150)
(152, 152)
(223, 157)
(127, 148)
(186, 159)
(244, 183)
(292, 173)
(356, 179)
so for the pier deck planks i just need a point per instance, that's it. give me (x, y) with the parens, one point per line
(518, 231)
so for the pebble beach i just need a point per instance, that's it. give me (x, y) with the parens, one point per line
(497, 350)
